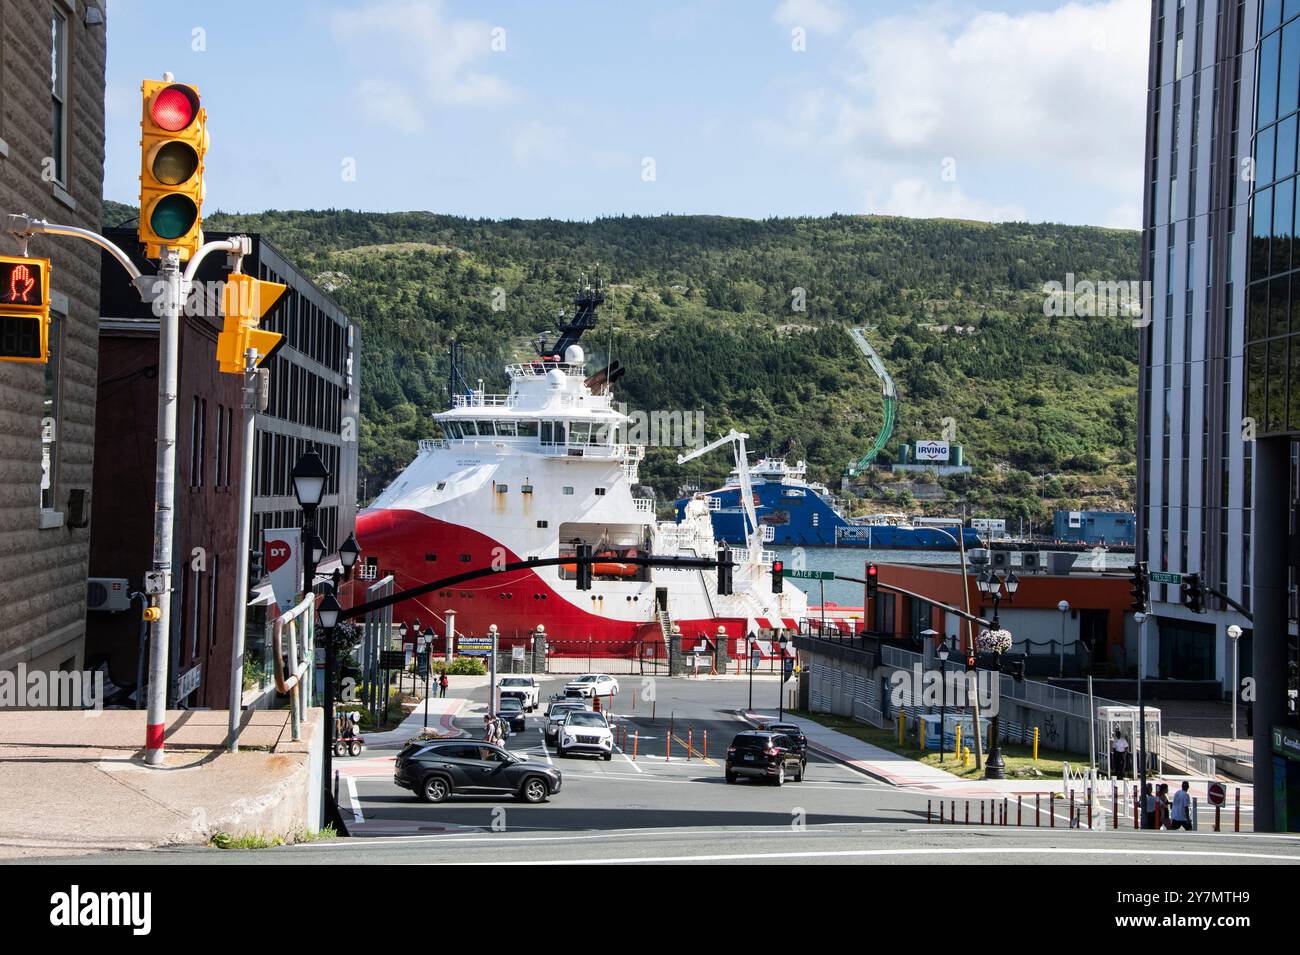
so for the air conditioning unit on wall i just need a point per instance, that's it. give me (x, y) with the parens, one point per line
(108, 593)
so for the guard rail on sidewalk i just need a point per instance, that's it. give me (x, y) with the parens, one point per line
(302, 654)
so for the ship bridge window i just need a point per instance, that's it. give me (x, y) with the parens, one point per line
(526, 429)
(579, 432)
(600, 434)
(451, 429)
(503, 488)
(467, 429)
(552, 432)
(506, 429)
(485, 429)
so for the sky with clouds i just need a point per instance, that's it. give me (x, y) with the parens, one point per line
(999, 109)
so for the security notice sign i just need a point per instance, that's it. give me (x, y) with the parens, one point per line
(473, 646)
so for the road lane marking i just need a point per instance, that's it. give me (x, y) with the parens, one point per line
(545, 752)
(880, 853)
(352, 798)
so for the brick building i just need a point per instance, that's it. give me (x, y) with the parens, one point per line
(313, 397)
(52, 56)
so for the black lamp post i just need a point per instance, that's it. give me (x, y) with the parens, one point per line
(309, 476)
(750, 646)
(349, 551)
(780, 682)
(328, 613)
(930, 634)
(991, 584)
(428, 673)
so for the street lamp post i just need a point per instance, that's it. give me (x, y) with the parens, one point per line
(428, 673)
(1234, 633)
(309, 476)
(930, 634)
(492, 676)
(1064, 607)
(751, 645)
(328, 613)
(780, 682)
(1140, 619)
(991, 584)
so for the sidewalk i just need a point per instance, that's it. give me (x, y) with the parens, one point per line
(442, 715)
(76, 783)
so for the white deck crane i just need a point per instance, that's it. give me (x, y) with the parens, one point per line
(753, 534)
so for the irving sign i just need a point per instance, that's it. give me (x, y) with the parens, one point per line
(932, 450)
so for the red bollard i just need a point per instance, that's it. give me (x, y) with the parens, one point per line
(1217, 811)
(968, 812)
(1020, 810)
(1089, 807)
(1038, 803)
(981, 812)
(928, 813)
(1006, 810)
(1114, 805)
(1051, 809)
(690, 742)
(1236, 812)
(1072, 817)
(1136, 822)
(706, 744)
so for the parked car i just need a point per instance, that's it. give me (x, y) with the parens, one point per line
(556, 714)
(760, 754)
(519, 696)
(527, 684)
(593, 684)
(791, 730)
(437, 770)
(511, 709)
(585, 732)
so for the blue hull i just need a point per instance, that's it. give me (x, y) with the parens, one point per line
(799, 517)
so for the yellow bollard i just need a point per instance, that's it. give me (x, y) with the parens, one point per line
(1035, 744)
(921, 731)
(957, 749)
(966, 757)
(900, 729)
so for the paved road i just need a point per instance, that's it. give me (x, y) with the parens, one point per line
(657, 809)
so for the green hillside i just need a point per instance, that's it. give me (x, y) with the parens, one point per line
(702, 312)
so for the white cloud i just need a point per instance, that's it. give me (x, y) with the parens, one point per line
(419, 56)
(1058, 94)
(816, 16)
(926, 199)
(535, 142)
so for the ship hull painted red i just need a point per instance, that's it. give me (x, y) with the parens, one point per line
(403, 540)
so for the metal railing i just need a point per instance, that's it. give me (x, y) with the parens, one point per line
(299, 624)
(644, 504)
(433, 444)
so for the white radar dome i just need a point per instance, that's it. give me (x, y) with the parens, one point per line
(573, 355)
(555, 378)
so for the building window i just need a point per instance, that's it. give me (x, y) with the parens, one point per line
(196, 620)
(568, 491)
(198, 440)
(213, 583)
(59, 94)
(600, 492)
(221, 446)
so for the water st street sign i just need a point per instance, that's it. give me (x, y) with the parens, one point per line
(808, 574)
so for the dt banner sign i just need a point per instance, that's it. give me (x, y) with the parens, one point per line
(282, 558)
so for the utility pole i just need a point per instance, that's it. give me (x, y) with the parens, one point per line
(255, 396)
(159, 584)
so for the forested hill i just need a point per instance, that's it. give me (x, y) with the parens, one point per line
(747, 321)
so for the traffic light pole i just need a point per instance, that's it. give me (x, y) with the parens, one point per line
(254, 401)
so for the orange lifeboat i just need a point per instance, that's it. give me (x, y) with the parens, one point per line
(610, 568)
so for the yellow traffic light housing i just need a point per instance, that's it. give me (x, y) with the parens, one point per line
(173, 142)
(24, 309)
(244, 300)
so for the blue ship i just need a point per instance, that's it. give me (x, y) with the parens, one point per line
(793, 512)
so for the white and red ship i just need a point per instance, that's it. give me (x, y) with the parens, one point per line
(534, 473)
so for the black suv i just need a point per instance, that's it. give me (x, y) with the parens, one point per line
(513, 712)
(791, 730)
(765, 755)
(441, 768)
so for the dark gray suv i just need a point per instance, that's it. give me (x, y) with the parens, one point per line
(435, 770)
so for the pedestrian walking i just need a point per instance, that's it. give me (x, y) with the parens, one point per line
(1162, 806)
(442, 684)
(1180, 813)
(1148, 807)
(489, 728)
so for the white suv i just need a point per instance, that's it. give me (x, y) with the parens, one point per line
(522, 684)
(584, 731)
(593, 684)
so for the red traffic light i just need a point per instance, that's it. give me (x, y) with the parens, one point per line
(174, 108)
(778, 566)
